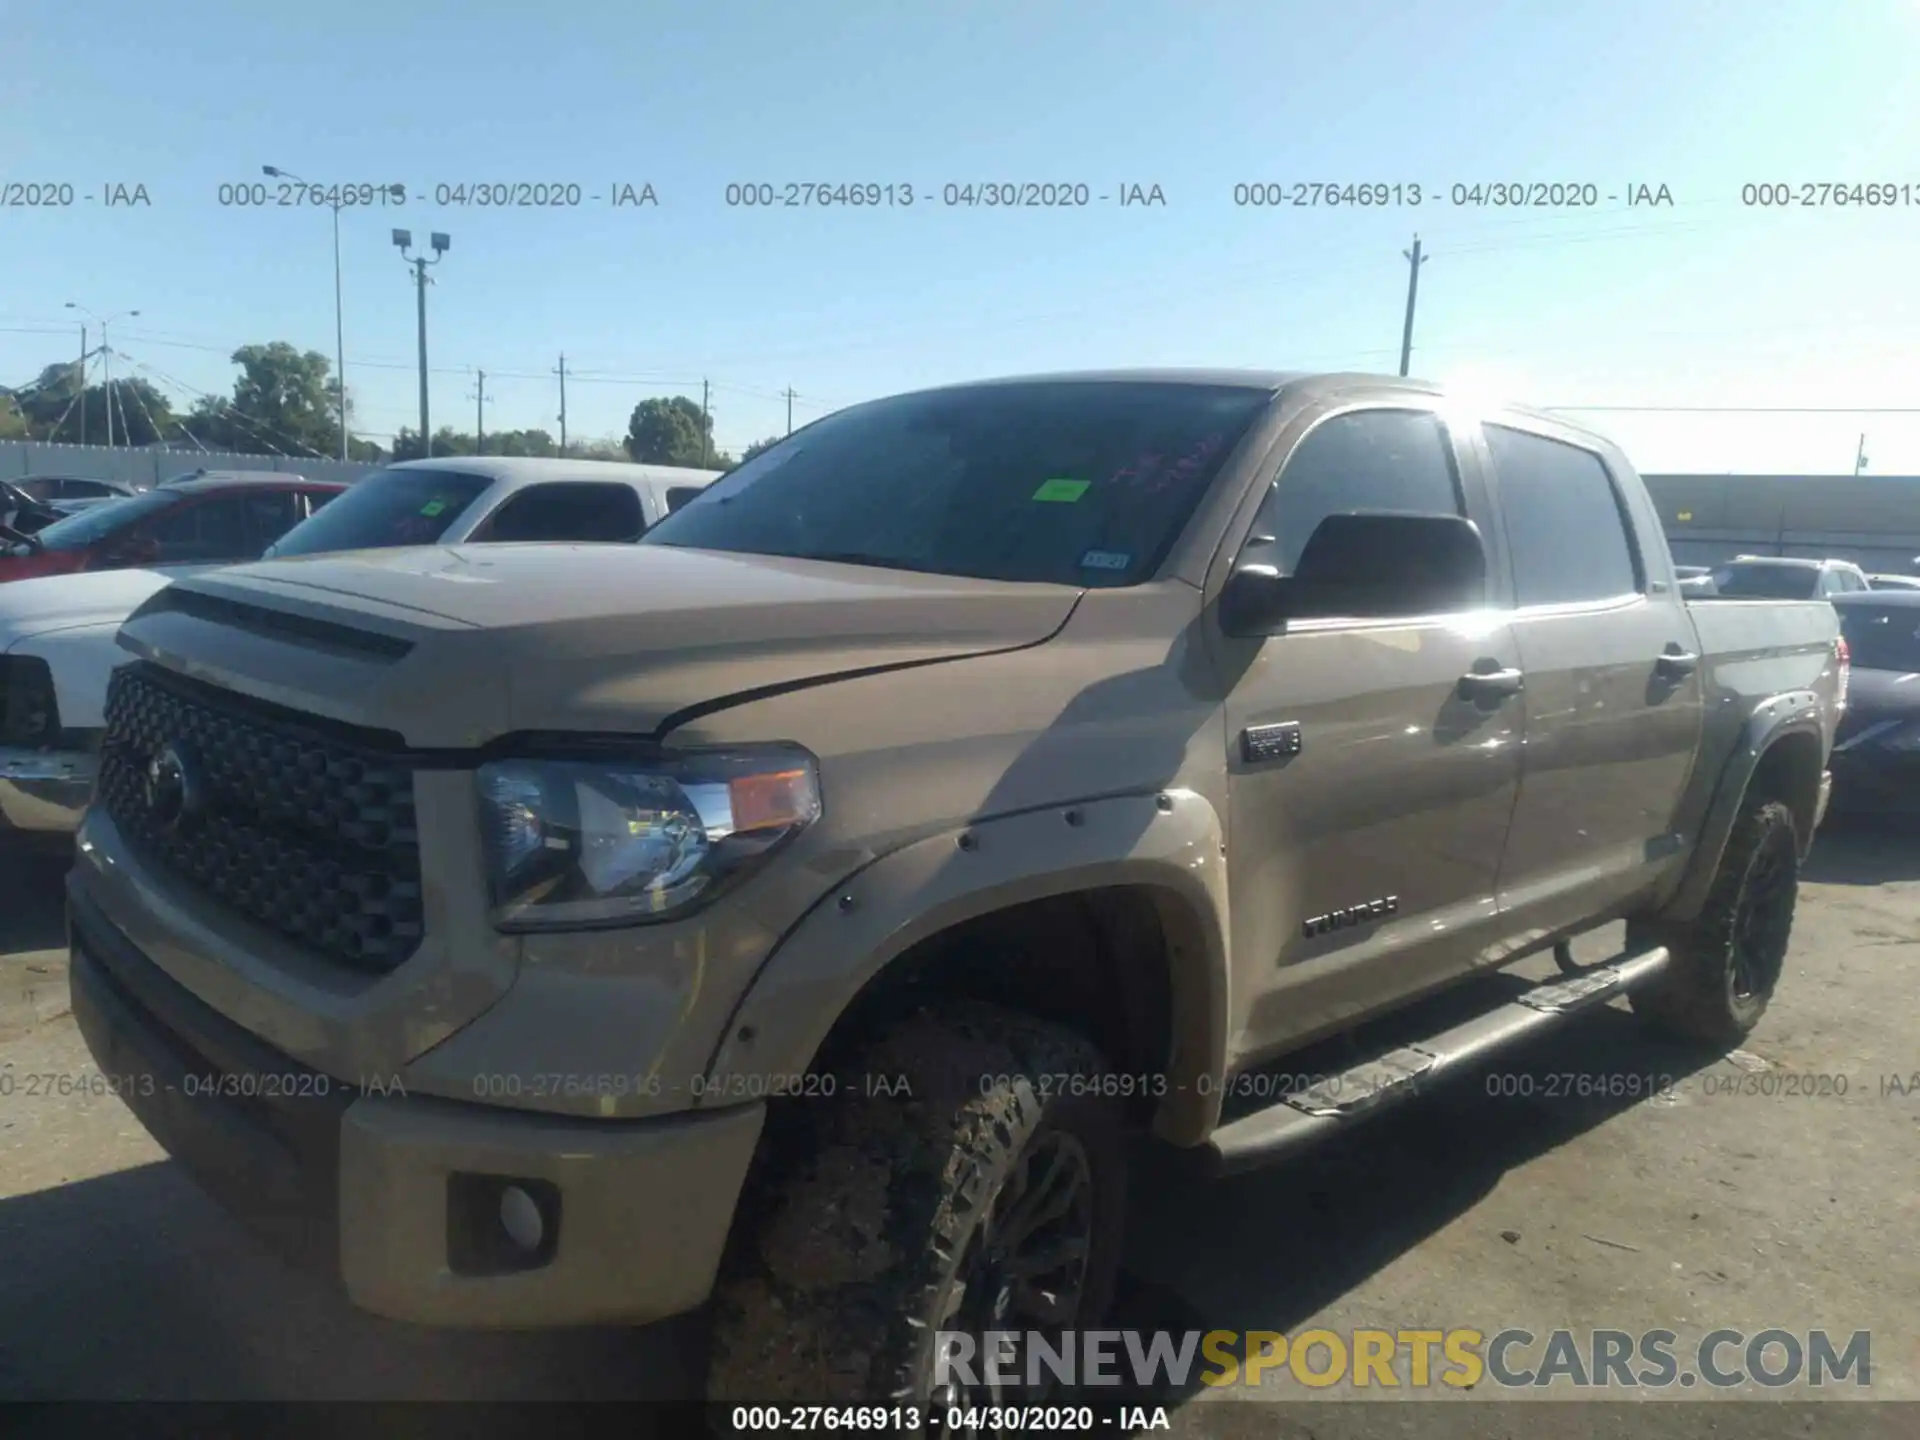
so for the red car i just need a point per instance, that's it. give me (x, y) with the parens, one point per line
(199, 522)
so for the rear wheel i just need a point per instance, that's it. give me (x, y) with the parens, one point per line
(1728, 960)
(987, 1193)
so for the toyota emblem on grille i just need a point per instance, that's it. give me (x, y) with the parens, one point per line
(173, 788)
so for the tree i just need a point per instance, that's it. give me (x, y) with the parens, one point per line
(13, 424)
(283, 403)
(521, 442)
(759, 445)
(670, 432)
(446, 441)
(49, 409)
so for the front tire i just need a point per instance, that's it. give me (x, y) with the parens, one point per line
(1728, 960)
(987, 1193)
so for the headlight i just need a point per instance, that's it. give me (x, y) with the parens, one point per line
(578, 844)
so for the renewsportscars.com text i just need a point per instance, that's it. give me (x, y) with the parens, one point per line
(1406, 1359)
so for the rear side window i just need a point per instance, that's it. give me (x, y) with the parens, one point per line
(1882, 637)
(569, 510)
(678, 495)
(1565, 528)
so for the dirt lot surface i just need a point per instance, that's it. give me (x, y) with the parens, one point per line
(1750, 1196)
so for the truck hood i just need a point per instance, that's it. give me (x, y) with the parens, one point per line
(454, 646)
(66, 602)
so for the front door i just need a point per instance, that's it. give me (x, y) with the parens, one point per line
(1369, 794)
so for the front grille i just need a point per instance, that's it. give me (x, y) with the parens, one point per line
(294, 828)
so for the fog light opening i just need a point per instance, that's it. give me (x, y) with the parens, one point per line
(520, 1217)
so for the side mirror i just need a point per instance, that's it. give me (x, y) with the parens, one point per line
(1364, 565)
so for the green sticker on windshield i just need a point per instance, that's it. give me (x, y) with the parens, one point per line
(432, 508)
(1065, 491)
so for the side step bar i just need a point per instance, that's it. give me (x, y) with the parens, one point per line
(1304, 1117)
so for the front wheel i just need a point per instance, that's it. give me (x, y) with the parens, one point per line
(985, 1193)
(1729, 959)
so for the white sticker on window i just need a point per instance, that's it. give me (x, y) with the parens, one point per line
(1105, 560)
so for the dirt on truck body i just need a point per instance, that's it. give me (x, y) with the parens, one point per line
(806, 910)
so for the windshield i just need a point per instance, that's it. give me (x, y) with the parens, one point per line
(385, 509)
(1882, 637)
(96, 522)
(1066, 482)
(1767, 582)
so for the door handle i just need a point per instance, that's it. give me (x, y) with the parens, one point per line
(1676, 664)
(1492, 685)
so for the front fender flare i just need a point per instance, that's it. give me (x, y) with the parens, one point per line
(1172, 844)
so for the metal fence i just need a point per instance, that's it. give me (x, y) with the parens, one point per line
(1872, 520)
(149, 467)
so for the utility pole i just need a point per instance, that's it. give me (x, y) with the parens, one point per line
(1414, 261)
(563, 404)
(82, 373)
(1860, 456)
(706, 426)
(339, 332)
(403, 239)
(789, 410)
(480, 414)
(106, 361)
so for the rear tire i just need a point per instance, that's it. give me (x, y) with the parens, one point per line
(892, 1218)
(1728, 960)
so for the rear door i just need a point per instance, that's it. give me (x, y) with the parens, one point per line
(1612, 695)
(1369, 798)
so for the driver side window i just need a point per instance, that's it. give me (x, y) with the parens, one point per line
(1362, 460)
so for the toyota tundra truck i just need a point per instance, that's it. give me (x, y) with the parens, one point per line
(806, 916)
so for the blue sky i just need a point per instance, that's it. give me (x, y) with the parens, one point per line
(1708, 303)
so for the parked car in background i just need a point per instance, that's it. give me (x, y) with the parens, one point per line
(214, 521)
(464, 499)
(1894, 582)
(1694, 580)
(186, 477)
(1785, 577)
(57, 649)
(1876, 754)
(72, 487)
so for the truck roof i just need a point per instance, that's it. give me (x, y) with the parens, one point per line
(1311, 382)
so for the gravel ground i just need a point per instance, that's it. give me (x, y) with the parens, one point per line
(1718, 1205)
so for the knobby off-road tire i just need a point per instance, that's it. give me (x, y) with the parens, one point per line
(1727, 961)
(889, 1215)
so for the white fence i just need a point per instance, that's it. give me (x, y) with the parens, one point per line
(148, 467)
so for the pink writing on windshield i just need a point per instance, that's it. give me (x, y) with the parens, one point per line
(1148, 476)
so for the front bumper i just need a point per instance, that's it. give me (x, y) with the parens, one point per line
(375, 1188)
(43, 793)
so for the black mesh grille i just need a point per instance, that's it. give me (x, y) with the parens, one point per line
(293, 828)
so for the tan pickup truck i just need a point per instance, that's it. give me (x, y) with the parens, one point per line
(806, 910)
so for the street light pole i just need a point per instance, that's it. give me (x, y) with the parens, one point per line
(339, 323)
(440, 243)
(106, 357)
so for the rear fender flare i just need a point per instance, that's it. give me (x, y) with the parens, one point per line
(1797, 712)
